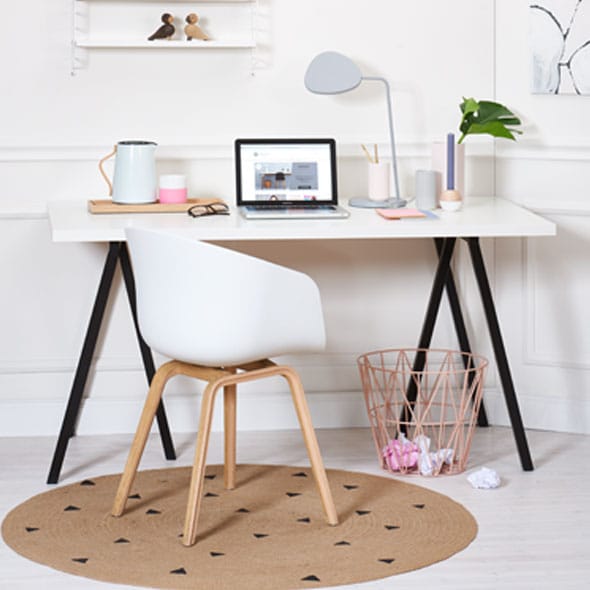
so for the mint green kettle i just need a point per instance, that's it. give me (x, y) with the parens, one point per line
(134, 178)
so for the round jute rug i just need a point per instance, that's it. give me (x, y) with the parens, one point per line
(267, 534)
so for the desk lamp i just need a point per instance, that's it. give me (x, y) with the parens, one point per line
(333, 73)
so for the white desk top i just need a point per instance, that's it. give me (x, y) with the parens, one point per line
(481, 217)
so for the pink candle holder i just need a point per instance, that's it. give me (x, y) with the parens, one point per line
(172, 188)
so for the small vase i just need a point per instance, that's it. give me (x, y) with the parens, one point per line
(450, 200)
(439, 163)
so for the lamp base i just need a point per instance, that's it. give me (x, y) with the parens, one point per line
(366, 203)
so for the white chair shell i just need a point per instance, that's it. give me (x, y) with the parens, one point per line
(208, 305)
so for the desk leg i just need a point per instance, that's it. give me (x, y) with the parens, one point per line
(440, 280)
(500, 353)
(70, 418)
(146, 354)
(460, 329)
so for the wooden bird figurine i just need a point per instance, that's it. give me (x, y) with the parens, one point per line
(192, 30)
(166, 30)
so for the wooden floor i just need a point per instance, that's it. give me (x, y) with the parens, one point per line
(534, 531)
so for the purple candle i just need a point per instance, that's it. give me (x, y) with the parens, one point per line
(450, 161)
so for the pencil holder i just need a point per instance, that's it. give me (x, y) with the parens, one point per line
(378, 181)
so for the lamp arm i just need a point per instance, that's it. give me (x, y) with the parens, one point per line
(391, 136)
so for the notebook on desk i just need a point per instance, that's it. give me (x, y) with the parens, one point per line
(287, 179)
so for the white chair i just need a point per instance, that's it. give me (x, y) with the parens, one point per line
(220, 314)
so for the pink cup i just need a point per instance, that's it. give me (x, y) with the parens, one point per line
(172, 188)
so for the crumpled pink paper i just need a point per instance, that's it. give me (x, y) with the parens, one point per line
(401, 454)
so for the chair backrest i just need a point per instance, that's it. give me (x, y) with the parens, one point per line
(208, 305)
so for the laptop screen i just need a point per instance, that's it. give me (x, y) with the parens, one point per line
(285, 171)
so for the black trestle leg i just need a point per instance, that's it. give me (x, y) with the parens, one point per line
(146, 354)
(438, 285)
(460, 329)
(68, 425)
(500, 353)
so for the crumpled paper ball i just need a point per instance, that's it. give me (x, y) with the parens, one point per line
(484, 479)
(401, 454)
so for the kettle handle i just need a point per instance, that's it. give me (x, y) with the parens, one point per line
(103, 173)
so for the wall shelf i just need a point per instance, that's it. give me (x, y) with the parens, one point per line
(126, 24)
(174, 44)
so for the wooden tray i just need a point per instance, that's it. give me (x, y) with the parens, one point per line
(107, 206)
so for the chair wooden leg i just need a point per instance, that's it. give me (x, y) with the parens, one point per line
(313, 449)
(143, 429)
(229, 427)
(198, 473)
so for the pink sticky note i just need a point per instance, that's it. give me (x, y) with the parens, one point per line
(400, 213)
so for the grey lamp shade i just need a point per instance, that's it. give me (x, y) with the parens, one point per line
(332, 73)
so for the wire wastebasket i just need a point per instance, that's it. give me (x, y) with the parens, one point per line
(422, 406)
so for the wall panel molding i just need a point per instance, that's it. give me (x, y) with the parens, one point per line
(347, 147)
(531, 353)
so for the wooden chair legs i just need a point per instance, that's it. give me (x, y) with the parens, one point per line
(311, 443)
(162, 376)
(229, 429)
(143, 429)
(228, 379)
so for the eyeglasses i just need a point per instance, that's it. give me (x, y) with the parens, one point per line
(211, 209)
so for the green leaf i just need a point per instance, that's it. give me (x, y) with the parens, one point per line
(494, 128)
(469, 105)
(487, 117)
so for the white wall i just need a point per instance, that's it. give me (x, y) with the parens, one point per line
(194, 103)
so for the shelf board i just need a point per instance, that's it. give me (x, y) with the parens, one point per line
(175, 44)
(178, 1)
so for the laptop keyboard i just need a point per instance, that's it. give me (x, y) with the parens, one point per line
(279, 207)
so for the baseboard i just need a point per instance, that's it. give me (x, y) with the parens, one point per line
(255, 412)
(268, 411)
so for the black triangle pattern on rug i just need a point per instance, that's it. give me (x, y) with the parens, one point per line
(380, 519)
(180, 571)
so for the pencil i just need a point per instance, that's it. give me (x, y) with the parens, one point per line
(366, 152)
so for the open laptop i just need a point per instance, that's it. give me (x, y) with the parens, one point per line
(287, 179)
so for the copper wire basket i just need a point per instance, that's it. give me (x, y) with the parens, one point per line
(422, 406)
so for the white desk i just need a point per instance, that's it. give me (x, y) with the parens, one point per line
(481, 218)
